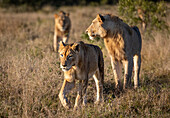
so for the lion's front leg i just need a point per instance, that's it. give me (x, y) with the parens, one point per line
(65, 38)
(55, 42)
(117, 71)
(66, 87)
(81, 95)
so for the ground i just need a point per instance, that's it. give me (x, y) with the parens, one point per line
(30, 77)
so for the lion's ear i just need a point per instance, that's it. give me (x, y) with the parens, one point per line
(67, 14)
(100, 18)
(55, 15)
(62, 13)
(76, 47)
(61, 45)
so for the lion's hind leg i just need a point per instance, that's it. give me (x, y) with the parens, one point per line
(66, 87)
(137, 63)
(99, 86)
(128, 67)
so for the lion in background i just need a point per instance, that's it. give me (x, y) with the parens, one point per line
(123, 44)
(62, 28)
(81, 61)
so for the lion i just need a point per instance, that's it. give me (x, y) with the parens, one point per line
(80, 61)
(123, 44)
(62, 28)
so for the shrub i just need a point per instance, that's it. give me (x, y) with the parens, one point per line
(150, 15)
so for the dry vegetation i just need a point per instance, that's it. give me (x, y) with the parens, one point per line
(30, 77)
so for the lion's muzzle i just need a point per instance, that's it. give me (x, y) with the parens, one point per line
(65, 67)
(91, 35)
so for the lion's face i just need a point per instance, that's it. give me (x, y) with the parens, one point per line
(68, 56)
(97, 28)
(62, 21)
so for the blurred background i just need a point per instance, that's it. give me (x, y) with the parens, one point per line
(57, 3)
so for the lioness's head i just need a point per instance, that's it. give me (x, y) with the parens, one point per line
(97, 28)
(68, 55)
(62, 20)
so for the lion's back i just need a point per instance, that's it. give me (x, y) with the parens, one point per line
(95, 57)
(93, 50)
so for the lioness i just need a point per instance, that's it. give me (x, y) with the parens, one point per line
(123, 44)
(62, 28)
(81, 61)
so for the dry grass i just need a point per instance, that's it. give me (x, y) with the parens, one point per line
(30, 77)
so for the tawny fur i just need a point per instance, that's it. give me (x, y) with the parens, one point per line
(62, 28)
(81, 61)
(122, 42)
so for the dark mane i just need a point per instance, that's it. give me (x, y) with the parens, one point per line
(120, 23)
(115, 18)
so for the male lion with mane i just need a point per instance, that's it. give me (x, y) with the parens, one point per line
(62, 28)
(123, 44)
(81, 61)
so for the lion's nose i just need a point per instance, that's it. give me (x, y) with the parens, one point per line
(93, 35)
(65, 64)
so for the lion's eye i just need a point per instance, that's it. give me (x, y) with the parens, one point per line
(70, 56)
(61, 55)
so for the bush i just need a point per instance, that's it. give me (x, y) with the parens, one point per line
(148, 14)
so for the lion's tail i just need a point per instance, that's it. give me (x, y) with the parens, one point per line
(139, 35)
